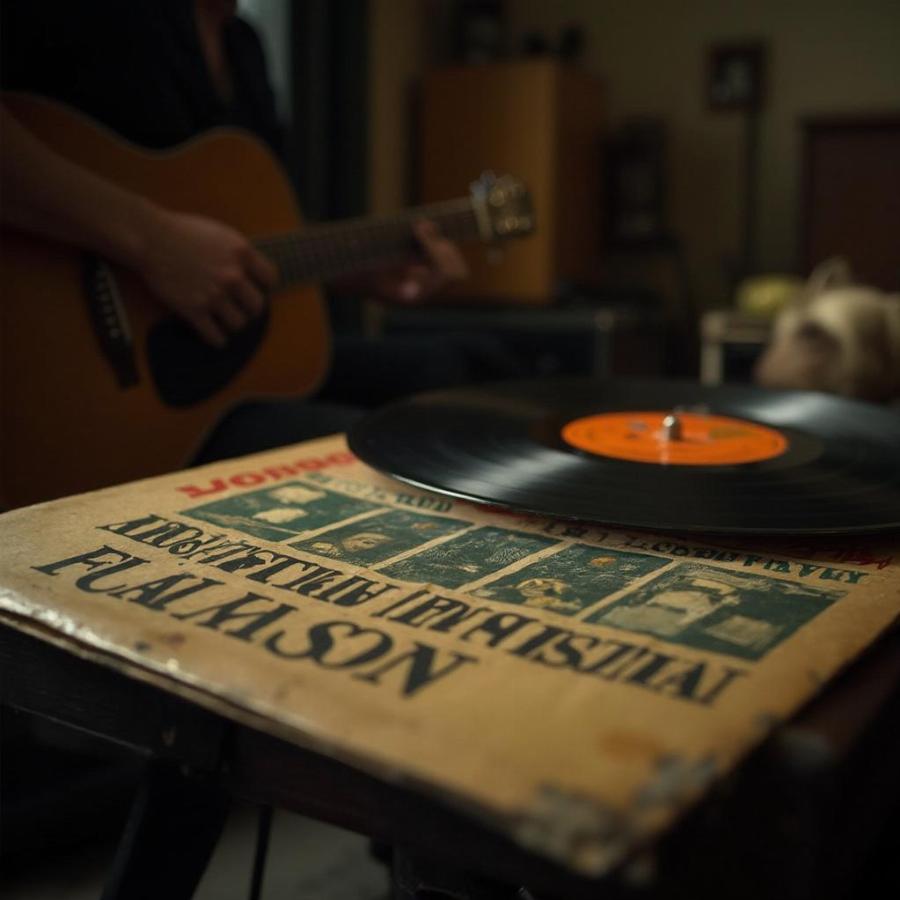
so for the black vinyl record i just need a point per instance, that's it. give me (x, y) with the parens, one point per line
(658, 455)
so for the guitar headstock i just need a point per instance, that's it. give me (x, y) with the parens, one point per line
(503, 207)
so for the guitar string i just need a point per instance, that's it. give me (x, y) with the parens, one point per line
(357, 226)
(360, 241)
(328, 258)
(437, 209)
(327, 250)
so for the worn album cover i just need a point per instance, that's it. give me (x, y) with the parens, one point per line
(574, 687)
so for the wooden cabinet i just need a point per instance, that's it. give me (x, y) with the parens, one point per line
(541, 121)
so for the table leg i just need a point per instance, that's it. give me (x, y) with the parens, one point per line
(172, 830)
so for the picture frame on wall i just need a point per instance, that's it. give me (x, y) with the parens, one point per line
(736, 76)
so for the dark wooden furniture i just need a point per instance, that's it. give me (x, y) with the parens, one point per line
(542, 121)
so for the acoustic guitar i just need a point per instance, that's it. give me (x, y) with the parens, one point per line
(100, 384)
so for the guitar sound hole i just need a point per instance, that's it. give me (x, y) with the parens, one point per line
(186, 370)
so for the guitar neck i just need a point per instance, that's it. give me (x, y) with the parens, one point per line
(328, 251)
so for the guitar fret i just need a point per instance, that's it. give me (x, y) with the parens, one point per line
(326, 251)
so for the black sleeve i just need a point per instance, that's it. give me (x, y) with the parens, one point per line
(254, 98)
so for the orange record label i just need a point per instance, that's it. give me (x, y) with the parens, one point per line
(687, 439)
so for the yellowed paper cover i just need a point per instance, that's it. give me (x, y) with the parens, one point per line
(575, 688)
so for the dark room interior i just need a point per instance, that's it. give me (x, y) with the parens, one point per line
(449, 449)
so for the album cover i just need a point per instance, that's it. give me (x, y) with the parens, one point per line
(573, 686)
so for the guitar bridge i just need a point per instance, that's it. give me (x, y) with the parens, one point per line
(109, 320)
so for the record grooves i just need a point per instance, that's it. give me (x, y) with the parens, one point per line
(657, 455)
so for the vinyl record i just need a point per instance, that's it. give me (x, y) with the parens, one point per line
(659, 455)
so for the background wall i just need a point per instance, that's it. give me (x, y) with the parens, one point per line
(398, 47)
(825, 56)
(397, 57)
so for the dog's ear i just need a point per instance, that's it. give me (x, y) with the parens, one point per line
(832, 273)
(871, 359)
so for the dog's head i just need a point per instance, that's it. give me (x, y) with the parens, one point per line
(836, 337)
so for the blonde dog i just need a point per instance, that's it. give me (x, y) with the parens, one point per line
(837, 337)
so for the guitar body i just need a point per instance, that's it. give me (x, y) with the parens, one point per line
(67, 422)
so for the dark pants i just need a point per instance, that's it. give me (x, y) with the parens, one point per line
(266, 424)
(364, 375)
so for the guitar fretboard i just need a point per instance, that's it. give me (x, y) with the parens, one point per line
(327, 251)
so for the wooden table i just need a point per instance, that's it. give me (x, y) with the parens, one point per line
(800, 818)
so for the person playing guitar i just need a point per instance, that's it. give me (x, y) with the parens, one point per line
(159, 72)
(156, 74)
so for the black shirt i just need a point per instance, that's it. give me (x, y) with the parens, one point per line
(136, 66)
